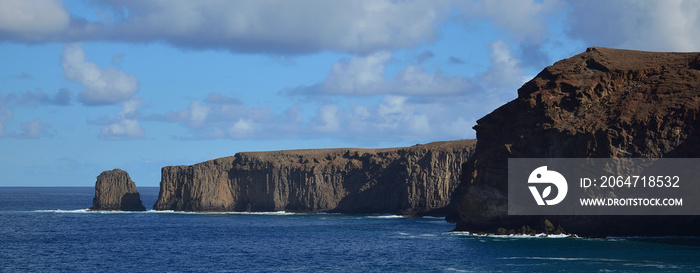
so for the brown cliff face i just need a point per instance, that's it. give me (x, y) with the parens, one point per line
(114, 190)
(603, 103)
(413, 180)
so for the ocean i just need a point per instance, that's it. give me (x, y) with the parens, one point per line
(50, 230)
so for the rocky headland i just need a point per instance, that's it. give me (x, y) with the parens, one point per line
(415, 180)
(114, 190)
(603, 103)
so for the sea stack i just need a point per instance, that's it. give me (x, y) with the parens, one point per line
(114, 190)
(603, 103)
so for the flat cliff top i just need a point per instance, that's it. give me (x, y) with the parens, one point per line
(440, 145)
(311, 154)
(610, 59)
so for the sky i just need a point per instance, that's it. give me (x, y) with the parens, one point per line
(88, 86)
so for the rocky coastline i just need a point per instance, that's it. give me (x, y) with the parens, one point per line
(416, 180)
(603, 103)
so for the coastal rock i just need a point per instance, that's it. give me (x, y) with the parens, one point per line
(114, 190)
(603, 103)
(412, 180)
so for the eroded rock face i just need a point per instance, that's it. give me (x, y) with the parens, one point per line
(413, 180)
(114, 190)
(604, 103)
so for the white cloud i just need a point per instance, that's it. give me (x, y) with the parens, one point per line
(123, 129)
(357, 27)
(242, 128)
(395, 114)
(197, 113)
(505, 71)
(366, 75)
(63, 97)
(668, 25)
(32, 20)
(359, 75)
(414, 80)
(131, 107)
(222, 117)
(522, 19)
(241, 26)
(102, 86)
(396, 118)
(419, 125)
(391, 106)
(126, 126)
(393, 118)
(34, 129)
(407, 109)
(327, 119)
(28, 130)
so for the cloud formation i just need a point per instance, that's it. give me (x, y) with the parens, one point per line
(5, 115)
(357, 27)
(126, 126)
(393, 118)
(671, 25)
(62, 98)
(33, 129)
(239, 26)
(220, 116)
(102, 86)
(32, 21)
(400, 109)
(522, 19)
(366, 75)
(505, 70)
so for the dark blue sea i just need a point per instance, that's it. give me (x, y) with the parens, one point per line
(49, 230)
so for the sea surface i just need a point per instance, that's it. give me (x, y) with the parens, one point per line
(50, 230)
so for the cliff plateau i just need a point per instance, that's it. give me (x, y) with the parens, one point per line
(114, 190)
(412, 180)
(605, 103)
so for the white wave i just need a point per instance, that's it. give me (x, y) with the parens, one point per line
(433, 217)
(162, 212)
(63, 211)
(654, 265)
(416, 236)
(458, 270)
(389, 216)
(226, 212)
(540, 235)
(85, 211)
(329, 213)
(565, 259)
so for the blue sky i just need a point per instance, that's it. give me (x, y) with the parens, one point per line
(87, 86)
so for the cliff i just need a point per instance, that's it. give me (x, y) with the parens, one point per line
(604, 103)
(413, 180)
(114, 190)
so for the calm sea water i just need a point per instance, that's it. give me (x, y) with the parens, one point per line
(48, 230)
